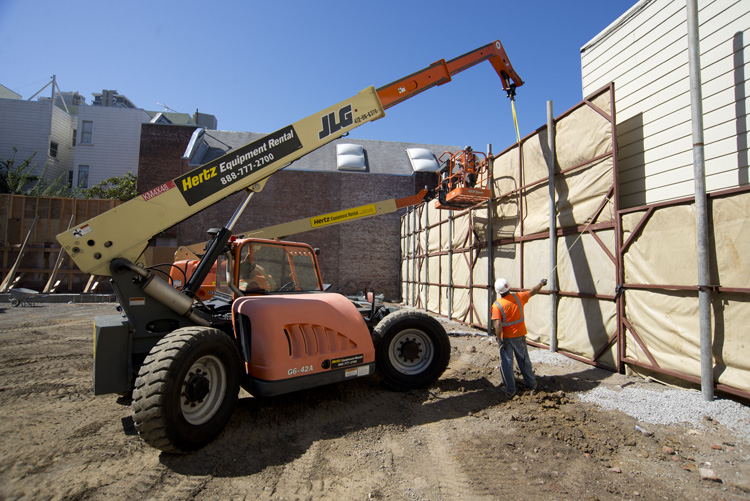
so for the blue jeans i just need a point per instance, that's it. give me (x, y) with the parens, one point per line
(517, 346)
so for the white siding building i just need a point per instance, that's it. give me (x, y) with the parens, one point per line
(82, 147)
(37, 127)
(108, 143)
(645, 52)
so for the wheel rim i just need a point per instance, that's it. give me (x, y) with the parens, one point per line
(203, 390)
(411, 351)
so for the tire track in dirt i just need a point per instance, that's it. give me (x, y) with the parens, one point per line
(64, 375)
(171, 486)
(308, 476)
(445, 469)
(153, 481)
(35, 327)
(463, 391)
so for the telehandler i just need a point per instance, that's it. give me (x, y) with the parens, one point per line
(270, 327)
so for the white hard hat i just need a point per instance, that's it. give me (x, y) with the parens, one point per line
(501, 286)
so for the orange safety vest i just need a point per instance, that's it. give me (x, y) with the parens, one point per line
(513, 320)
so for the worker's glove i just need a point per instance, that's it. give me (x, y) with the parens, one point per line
(543, 281)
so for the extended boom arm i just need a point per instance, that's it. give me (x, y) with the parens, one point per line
(124, 232)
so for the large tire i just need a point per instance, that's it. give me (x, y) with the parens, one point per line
(186, 389)
(412, 350)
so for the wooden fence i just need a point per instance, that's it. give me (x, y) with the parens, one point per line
(28, 226)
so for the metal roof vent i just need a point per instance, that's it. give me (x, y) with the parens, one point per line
(422, 160)
(350, 157)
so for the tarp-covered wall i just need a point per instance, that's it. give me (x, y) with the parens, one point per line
(446, 268)
(626, 280)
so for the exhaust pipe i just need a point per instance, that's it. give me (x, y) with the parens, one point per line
(167, 295)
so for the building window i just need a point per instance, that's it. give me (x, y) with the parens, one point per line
(83, 176)
(87, 132)
(53, 149)
(75, 133)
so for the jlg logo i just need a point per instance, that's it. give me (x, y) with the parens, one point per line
(330, 126)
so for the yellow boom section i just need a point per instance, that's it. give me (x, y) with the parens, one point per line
(313, 223)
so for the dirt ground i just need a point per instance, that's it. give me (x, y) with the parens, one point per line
(461, 439)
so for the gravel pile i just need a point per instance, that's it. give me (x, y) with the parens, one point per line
(672, 407)
(549, 358)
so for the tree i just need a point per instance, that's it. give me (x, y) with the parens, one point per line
(122, 188)
(17, 179)
(13, 177)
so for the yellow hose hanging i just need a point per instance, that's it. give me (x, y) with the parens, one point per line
(515, 119)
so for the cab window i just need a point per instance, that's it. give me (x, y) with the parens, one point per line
(266, 267)
(221, 276)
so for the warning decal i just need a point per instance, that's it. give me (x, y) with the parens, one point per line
(347, 361)
(79, 232)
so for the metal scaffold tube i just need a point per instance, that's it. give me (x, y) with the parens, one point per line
(490, 250)
(450, 265)
(552, 160)
(701, 209)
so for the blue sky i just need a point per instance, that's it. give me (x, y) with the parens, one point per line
(259, 66)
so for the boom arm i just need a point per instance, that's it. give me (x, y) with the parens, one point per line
(124, 232)
(313, 223)
(441, 72)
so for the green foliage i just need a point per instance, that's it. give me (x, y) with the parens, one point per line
(122, 188)
(16, 178)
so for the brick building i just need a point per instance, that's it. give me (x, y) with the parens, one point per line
(353, 256)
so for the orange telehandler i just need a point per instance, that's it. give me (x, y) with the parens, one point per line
(269, 327)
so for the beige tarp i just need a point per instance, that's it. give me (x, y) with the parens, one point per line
(664, 251)
(575, 148)
(479, 297)
(461, 233)
(507, 262)
(731, 225)
(461, 277)
(667, 323)
(585, 325)
(583, 266)
(505, 172)
(580, 192)
(668, 238)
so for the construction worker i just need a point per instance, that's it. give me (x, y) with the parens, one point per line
(510, 329)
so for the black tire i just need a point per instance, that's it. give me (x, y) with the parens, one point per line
(186, 389)
(15, 302)
(412, 350)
